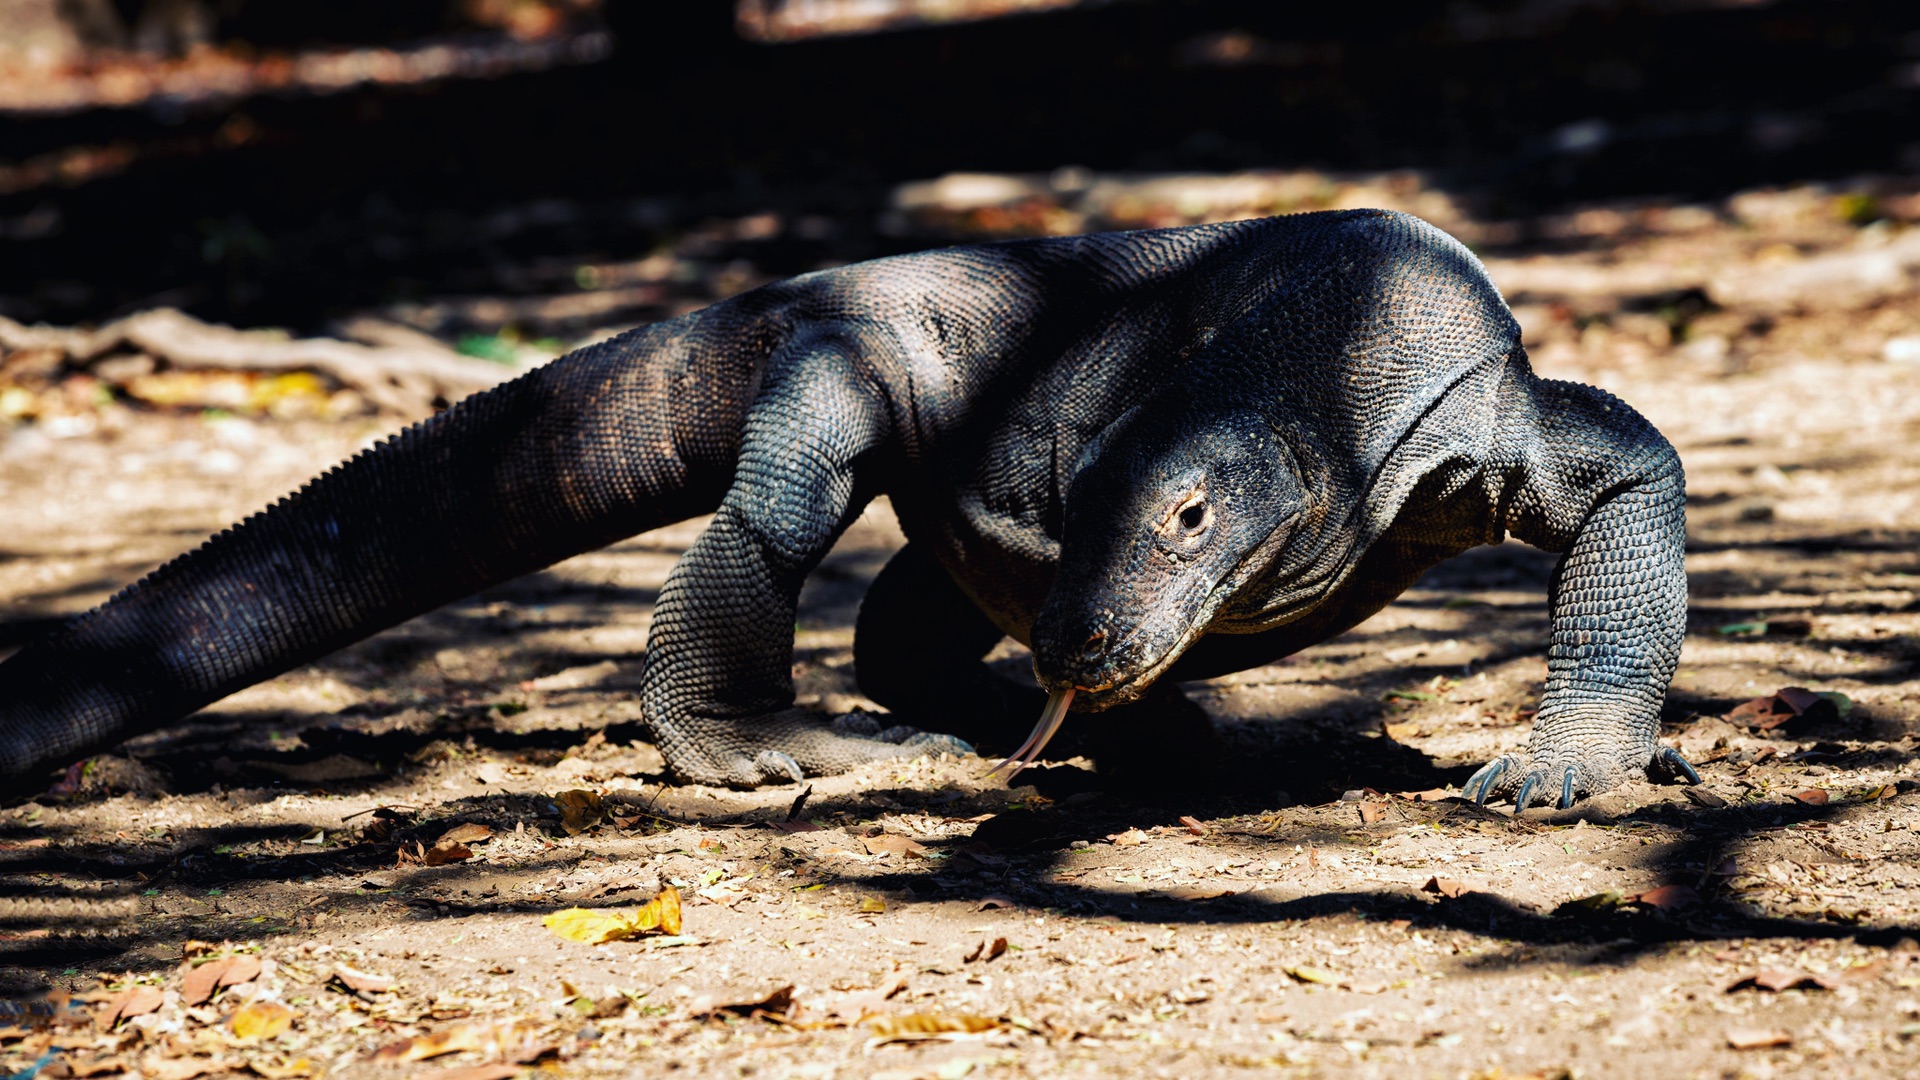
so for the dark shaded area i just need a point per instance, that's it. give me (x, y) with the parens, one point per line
(288, 207)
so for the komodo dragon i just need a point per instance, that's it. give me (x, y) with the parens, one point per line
(1157, 455)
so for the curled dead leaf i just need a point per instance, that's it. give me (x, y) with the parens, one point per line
(443, 852)
(202, 982)
(1318, 976)
(134, 1001)
(893, 844)
(1446, 887)
(775, 1006)
(469, 833)
(1775, 980)
(1130, 838)
(1371, 812)
(362, 982)
(580, 810)
(1809, 797)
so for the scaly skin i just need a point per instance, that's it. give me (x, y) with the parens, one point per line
(1147, 455)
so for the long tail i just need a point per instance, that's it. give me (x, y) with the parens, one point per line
(594, 447)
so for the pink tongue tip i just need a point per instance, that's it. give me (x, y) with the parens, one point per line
(1050, 719)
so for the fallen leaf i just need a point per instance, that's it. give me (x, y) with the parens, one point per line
(1429, 795)
(998, 949)
(1809, 797)
(1700, 796)
(1600, 901)
(1664, 898)
(872, 905)
(1315, 975)
(1446, 887)
(917, 1027)
(282, 1069)
(448, 1040)
(774, 1006)
(1775, 980)
(135, 1001)
(259, 1020)
(793, 826)
(1371, 812)
(1758, 1038)
(1130, 838)
(182, 1068)
(989, 903)
(362, 982)
(1193, 825)
(580, 810)
(442, 853)
(892, 844)
(469, 833)
(596, 926)
(204, 981)
(1402, 730)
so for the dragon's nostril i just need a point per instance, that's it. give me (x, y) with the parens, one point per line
(1095, 647)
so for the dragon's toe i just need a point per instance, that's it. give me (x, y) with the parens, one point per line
(1563, 779)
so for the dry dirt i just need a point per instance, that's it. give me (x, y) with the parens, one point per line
(1257, 922)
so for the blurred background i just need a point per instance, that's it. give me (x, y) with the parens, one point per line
(512, 177)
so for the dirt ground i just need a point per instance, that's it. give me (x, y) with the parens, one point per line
(1319, 905)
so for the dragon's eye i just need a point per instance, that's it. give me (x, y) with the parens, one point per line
(1193, 516)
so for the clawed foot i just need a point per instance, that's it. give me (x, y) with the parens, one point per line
(790, 746)
(1563, 781)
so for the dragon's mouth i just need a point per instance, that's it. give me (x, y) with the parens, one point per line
(1062, 694)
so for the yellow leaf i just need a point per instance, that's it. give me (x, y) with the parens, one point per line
(261, 1020)
(872, 905)
(1314, 975)
(661, 915)
(592, 926)
(917, 1026)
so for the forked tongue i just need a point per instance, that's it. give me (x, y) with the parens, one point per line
(1050, 718)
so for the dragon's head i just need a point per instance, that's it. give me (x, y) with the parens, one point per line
(1168, 513)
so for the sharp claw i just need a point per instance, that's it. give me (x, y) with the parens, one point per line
(1524, 795)
(1566, 789)
(772, 762)
(1486, 779)
(1679, 765)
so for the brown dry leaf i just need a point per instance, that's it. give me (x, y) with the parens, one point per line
(1371, 812)
(469, 833)
(988, 903)
(1446, 887)
(793, 826)
(442, 853)
(202, 982)
(1130, 838)
(362, 982)
(448, 1040)
(1758, 1038)
(851, 1008)
(891, 844)
(259, 1020)
(1775, 980)
(1429, 795)
(774, 1006)
(1763, 713)
(998, 949)
(1664, 898)
(135, 1001)
(1700, 796)
(1809, 797)
(917, 1027)
(282, 1069)
(579, 810)
(1402, 730)
(1194, 825)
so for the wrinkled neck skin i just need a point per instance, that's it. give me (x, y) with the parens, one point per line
(1182, 517)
